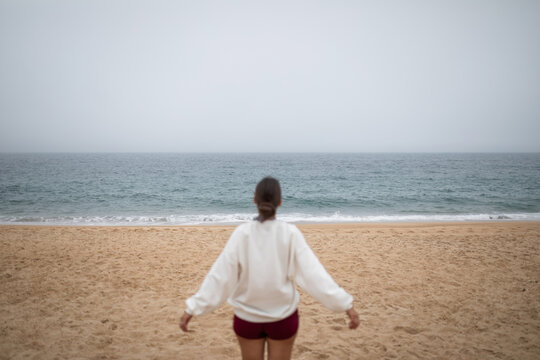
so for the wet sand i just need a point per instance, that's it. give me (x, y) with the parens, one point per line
(432, 290)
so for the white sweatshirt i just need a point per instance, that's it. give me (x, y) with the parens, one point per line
(257, 272)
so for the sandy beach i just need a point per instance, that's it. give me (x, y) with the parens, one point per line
(432, 290)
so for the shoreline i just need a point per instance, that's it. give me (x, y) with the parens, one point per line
(299, 224)
(212, 219)
(430, 290)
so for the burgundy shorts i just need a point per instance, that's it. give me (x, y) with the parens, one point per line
(277, 330)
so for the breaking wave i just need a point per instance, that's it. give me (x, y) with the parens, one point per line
(231, 219)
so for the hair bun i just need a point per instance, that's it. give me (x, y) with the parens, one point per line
(267, 207)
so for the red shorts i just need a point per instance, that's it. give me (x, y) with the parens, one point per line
(277, 330)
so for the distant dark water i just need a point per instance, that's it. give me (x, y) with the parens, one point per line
(218, 188)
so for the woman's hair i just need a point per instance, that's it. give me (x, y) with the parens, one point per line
(267, 197)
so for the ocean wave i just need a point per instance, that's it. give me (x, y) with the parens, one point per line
(232, 219)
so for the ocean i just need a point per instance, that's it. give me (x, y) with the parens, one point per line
(217, 188)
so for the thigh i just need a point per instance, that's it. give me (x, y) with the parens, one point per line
(252, 349)
(280, 349)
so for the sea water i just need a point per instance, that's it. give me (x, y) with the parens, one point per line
(217, 188)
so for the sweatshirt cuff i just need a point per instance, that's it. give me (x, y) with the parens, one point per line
(349, 305)
(189, 309)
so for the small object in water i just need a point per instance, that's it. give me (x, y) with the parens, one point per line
(500, 217)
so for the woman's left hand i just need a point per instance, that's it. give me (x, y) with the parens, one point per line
(184, 320)
(353, 316)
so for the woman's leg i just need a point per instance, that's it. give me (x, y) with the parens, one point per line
(252, 349)
(280, 349)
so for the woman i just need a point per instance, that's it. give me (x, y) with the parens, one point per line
(257, 272)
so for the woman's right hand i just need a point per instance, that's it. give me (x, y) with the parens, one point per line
(184, 321)
(355, 320)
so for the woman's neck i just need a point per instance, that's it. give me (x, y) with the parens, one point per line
(261, 219)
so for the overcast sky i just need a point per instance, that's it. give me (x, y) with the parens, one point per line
(351, 76)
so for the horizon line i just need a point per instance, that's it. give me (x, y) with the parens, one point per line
(269, 152)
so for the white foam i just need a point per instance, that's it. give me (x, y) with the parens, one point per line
(338, 218)
(226, 219)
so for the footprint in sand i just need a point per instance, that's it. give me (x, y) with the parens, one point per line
(408, 330)
(338, 320)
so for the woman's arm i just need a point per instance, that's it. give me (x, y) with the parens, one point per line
(311, 276)
(218, 284)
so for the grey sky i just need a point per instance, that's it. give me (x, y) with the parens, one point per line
(87, 75)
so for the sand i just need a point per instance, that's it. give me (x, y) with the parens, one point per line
(445, 291)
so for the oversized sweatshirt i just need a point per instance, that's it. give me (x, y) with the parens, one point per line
(257, 273)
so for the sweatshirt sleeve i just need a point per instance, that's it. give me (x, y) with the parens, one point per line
(311, 276)
(219, 283)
